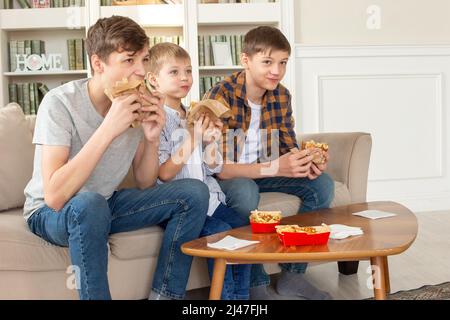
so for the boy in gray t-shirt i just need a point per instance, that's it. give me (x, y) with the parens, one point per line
(84, 149)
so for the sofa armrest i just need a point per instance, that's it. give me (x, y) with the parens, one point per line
(349, 159)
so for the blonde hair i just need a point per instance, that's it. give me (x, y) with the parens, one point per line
(161, 52)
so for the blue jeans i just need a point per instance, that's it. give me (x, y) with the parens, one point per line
(236, 284)
(315, 194)
(87, 220)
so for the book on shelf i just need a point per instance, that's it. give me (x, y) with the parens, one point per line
(28, 95)
(26, 98)
(206, 83)
(205, 48)
(40, 4)
(24, 4)
(159, 39)
(79, 51)
(237, 1)
(8, 4)
(76, 54)
(137, 2)
(23, 47)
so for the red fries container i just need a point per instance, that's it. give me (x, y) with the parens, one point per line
(303, 239)
(264, 227)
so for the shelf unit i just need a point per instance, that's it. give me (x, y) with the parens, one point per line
(54, 26)
(190, 19)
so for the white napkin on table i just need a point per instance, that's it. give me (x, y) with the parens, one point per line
(374, 214)
(341, 231)
(231, 243)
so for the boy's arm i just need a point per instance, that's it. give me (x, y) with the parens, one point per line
(146, 164)
(146, 159)
(251, 171)
(287, 165)
(62, 178)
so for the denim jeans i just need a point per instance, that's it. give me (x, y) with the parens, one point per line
(87, 220)
(236, 284)
(242, 195)
(315, 194)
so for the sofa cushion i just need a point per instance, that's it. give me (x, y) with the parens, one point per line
(20, 249)
(16, 156)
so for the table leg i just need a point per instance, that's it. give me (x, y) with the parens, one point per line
(386, 275)
(379, 280)
(217, 279)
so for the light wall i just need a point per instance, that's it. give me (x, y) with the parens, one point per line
(344, 22)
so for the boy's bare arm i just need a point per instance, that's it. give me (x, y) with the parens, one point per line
(169, 169)
(146, 165)
(237, 170)
(146, 160)
(62, 178)
(293, 165)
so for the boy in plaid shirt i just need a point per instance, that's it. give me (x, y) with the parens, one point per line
(257, 144)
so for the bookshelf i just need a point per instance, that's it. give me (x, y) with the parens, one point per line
(185, 22)
(235, 19)
(239, 13)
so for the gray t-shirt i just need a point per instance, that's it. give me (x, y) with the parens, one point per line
(66, 117)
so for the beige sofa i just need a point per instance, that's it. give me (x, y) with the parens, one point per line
(31, 268)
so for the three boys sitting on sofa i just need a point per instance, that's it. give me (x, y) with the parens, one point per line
(192, 180)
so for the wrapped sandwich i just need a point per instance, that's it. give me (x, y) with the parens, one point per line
(125, 87)
(318, 150)
(212, 108)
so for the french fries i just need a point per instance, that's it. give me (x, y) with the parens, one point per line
(265, 216)
(294, 228)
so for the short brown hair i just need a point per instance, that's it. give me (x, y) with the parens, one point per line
(265, 39)
(114, 34)
(161, 52)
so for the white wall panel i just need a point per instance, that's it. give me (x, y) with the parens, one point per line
(400, 96)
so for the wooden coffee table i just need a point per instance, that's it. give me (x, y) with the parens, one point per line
(382, 238)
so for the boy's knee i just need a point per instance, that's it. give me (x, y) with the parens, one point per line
(244, 193)
(326, 190)
(200, 189)
(91, 207)
(194, 193)
(213, 226)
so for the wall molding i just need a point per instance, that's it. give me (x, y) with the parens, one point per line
(438, 77)
(319, 66)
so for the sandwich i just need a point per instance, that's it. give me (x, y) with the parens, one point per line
(214, 109)
(317, 149)
(125, 87)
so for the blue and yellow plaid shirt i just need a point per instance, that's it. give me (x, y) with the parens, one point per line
(276, 114)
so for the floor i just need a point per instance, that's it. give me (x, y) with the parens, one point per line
(426, 262)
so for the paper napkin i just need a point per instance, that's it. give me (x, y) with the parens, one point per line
(341, 231)
(374, 214)
(231, 243)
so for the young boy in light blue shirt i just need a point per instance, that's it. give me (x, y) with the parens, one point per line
(188, 151)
